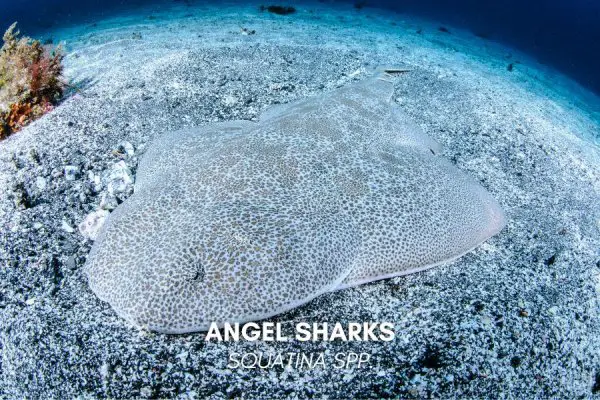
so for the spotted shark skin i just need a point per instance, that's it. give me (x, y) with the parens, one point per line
(240, 221)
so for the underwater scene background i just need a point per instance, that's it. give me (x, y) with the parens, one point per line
(508, 92)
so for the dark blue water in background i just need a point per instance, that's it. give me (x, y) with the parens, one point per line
(561, 33)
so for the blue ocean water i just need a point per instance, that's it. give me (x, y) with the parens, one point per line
(562, 34)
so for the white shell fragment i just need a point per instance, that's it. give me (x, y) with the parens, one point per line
(92, 224)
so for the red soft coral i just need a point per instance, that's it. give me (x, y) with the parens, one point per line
(30, 80)
(45, 84)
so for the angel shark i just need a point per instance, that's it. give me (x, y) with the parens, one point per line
(240, 221)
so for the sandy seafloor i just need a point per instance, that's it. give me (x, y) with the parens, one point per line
(518, 317)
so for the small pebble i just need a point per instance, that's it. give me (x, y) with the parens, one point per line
(66, 227)
(120, 178)
(41, 183)
(108, 202)
(71, 172)
(127, 148)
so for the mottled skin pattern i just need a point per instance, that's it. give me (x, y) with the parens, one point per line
(240, 221)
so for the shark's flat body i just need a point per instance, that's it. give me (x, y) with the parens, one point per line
(240, 221)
